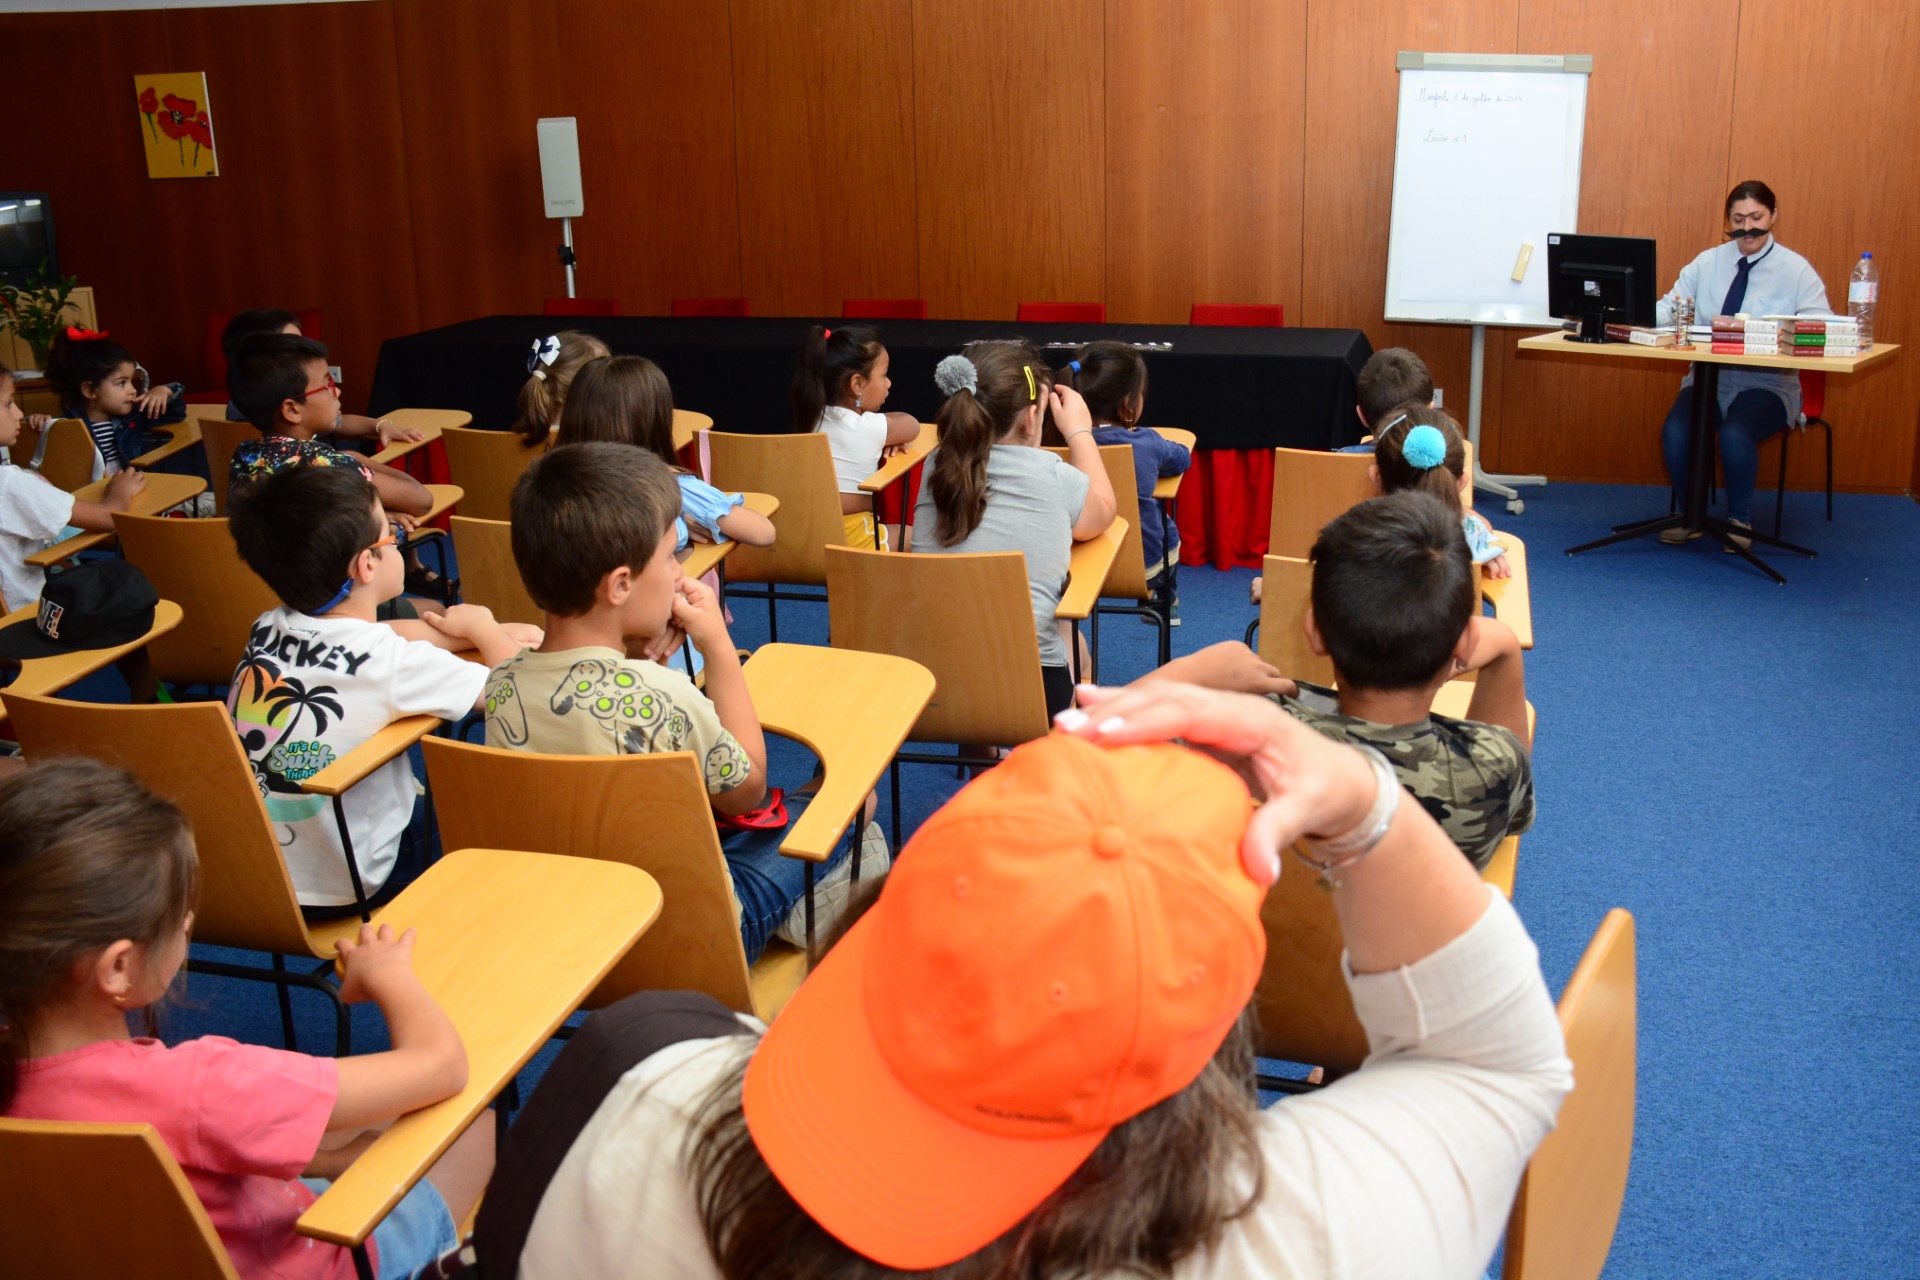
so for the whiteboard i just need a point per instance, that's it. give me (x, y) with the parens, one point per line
(1486, 160)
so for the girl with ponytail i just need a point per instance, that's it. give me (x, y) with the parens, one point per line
(839, 383)
(551, 367)
(991, 488)
(1420, 448)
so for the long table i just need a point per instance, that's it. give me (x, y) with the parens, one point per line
(1235, 388)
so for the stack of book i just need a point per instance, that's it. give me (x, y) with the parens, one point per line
(1819, 335)
(1640, 335)
(1742, 335)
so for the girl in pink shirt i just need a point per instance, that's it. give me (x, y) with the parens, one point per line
(97, 885)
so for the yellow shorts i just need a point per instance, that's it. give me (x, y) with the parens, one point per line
(864, 532)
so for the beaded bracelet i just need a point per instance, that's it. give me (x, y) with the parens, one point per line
(1348, 848)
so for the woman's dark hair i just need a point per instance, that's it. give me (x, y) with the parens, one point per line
(300, 530)
(1392, 591)
(1751, 189)
(620, 400)
(827, 359)
(583, 511)
(1398, 475)
(88, 857)
(73, 364)
(1160, 1187)
(543, 399)
(1012, 377)
(1112, 379)
(247, 323)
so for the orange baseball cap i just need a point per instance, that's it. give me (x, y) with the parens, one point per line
(1063, 945)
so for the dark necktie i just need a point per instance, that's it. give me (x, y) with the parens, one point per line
(1738, 293)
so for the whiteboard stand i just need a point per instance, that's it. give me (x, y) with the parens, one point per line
(1484, 481)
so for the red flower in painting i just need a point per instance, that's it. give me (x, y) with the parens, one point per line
(200, 129)
(177, 119)
(149, 104)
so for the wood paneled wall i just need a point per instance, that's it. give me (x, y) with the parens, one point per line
(378, 161)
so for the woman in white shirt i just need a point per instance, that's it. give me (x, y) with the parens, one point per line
(839, 383)
(1755, 274)
(1028, 1058)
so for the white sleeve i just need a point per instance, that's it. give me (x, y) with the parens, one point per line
(1687, 286)
(430, 681)
(31, 507)
(1073, 484)
(1810, 293)
(1408, 1167)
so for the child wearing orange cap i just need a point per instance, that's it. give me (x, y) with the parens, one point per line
(997, 1068)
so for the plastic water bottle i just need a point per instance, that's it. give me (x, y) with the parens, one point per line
(1863, 290)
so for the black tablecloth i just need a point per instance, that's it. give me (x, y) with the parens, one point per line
(1234, 388)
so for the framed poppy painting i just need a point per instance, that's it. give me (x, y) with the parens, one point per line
(176, 125)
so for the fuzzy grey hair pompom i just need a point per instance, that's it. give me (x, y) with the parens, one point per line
(955, 374)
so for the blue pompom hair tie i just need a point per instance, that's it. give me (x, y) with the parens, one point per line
(1425, 447)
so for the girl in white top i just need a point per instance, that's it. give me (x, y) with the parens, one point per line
(839, 383)
(33, 511)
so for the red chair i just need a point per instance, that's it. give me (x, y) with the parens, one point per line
(1062, 313)
(884, 309)
(217, 322)
(708, 307)
(1813, 400)
(580, 307)
(1251, 315)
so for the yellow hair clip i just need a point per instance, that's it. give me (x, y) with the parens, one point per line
(1033, 392)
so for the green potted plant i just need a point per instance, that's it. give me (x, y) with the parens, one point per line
(37, 310)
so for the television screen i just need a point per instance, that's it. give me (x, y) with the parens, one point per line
(26, 235)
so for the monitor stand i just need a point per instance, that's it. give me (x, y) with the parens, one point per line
(1593, 327)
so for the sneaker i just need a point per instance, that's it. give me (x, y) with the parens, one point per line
(1173, 616)
(1736, 539)
(1254, 591)
(202, 507)
(1674, 537)
(830, 893)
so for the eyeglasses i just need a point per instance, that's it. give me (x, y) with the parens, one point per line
(331, 384)
(395, 534)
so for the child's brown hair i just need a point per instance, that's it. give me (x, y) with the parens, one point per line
(1434, 467)
(1008, 378)
(88, 856)
(621, 400)
(583, 511)
(544, 398)
(1112, 378)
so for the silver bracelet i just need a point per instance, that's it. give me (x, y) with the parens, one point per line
(1083, 431)
(1336, 852)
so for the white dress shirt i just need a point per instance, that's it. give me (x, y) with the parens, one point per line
(1780, 283)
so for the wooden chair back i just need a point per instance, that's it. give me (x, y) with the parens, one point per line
(649, 811)
(1127, 580)
(488, 574)
(1569, 1203)
(1286, 592)
(687, 424)
(188, 753)
(1305, 1013)
(100, 1200)
(67, 460)
(798, 471)
(966, 618)
(486, 465)
(221, 439)
(1311, 487)
(195, 564)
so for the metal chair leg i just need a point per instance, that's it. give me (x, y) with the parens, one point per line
(1780, 489)
(288, 1035)
(894, 771)
(1828, 428)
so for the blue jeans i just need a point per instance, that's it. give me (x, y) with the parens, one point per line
(1750, 418)
(415, 1234)
(768, 883)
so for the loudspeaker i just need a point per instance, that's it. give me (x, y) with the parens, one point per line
(560, 167)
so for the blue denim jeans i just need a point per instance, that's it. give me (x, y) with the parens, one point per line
(768, 883)
(1750, 418)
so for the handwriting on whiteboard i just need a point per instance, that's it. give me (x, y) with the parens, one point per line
(1470, 98)
(1441, 135)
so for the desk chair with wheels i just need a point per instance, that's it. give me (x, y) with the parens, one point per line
(189, 754)
(1127, 580)
(195, 564)
(486, 465)
(649, 811)
(1813, 401)
(1062, 313)
(100, 1200)
(1241, 314)
(798, 472)
(966, 618)
(1570, 1196)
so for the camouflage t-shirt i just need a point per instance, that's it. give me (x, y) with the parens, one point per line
(599, 702)
(1474, 779)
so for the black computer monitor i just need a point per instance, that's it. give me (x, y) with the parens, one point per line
(1600, 280)
(26, 236)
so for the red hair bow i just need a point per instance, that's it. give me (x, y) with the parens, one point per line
(77, 334)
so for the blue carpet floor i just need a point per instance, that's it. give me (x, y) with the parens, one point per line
(1721, 756)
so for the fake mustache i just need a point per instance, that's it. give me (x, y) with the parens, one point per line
(1749, 233)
